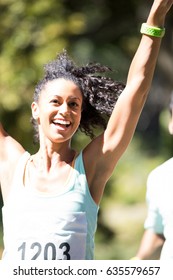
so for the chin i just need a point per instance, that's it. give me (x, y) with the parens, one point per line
(59, 139)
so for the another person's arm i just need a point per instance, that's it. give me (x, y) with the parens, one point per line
(150, 246)
(153, 238)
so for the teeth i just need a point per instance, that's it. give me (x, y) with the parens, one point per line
(62, 122)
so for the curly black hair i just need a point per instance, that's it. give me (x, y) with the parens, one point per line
(100, 93)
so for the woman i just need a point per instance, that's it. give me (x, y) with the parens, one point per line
(51, 198)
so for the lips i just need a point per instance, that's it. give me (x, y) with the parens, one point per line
(61, 123)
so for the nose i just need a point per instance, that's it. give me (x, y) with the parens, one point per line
(63, 109)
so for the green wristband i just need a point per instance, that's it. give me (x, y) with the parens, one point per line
(152, 30)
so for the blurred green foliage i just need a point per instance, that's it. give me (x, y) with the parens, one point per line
(31, 34)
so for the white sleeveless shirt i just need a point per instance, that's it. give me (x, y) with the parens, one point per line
(49, 227)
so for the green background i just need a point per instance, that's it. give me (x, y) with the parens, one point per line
(31, 34)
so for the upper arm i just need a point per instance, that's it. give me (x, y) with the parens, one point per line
(10, 151)
(124, 118)
(108, 147)
(9, 147)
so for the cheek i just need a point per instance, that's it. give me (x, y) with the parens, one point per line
(79, 115)
(44, 118)
(46, 111)
(76, 120)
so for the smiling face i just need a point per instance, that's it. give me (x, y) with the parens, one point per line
(58, 110)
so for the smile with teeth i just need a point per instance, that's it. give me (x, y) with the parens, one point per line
(62, 123)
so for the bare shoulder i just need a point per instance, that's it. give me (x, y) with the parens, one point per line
(10, 148)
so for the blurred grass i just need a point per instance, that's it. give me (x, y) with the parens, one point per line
(123, 209)
(126, 225)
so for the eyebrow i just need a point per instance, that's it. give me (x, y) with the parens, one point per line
(74, 97)
(70, 97)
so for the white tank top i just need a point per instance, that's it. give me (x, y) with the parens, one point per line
(49, 227)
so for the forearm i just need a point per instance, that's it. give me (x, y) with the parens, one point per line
(122, 124)
(150, 247)
(143, 64)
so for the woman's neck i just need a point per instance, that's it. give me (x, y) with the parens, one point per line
(52, 155)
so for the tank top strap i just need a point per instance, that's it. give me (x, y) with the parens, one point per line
(81, 180)
(83, 185)
(79, 165)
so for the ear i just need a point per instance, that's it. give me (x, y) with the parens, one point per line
(35, 110)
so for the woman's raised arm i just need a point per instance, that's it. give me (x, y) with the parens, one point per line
(107, 148)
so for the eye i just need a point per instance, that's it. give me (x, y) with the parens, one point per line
(55, 101)
(73, 104)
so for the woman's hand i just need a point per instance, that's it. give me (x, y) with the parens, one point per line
(158, 12)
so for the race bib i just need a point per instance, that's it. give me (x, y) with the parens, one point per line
(63, 238)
